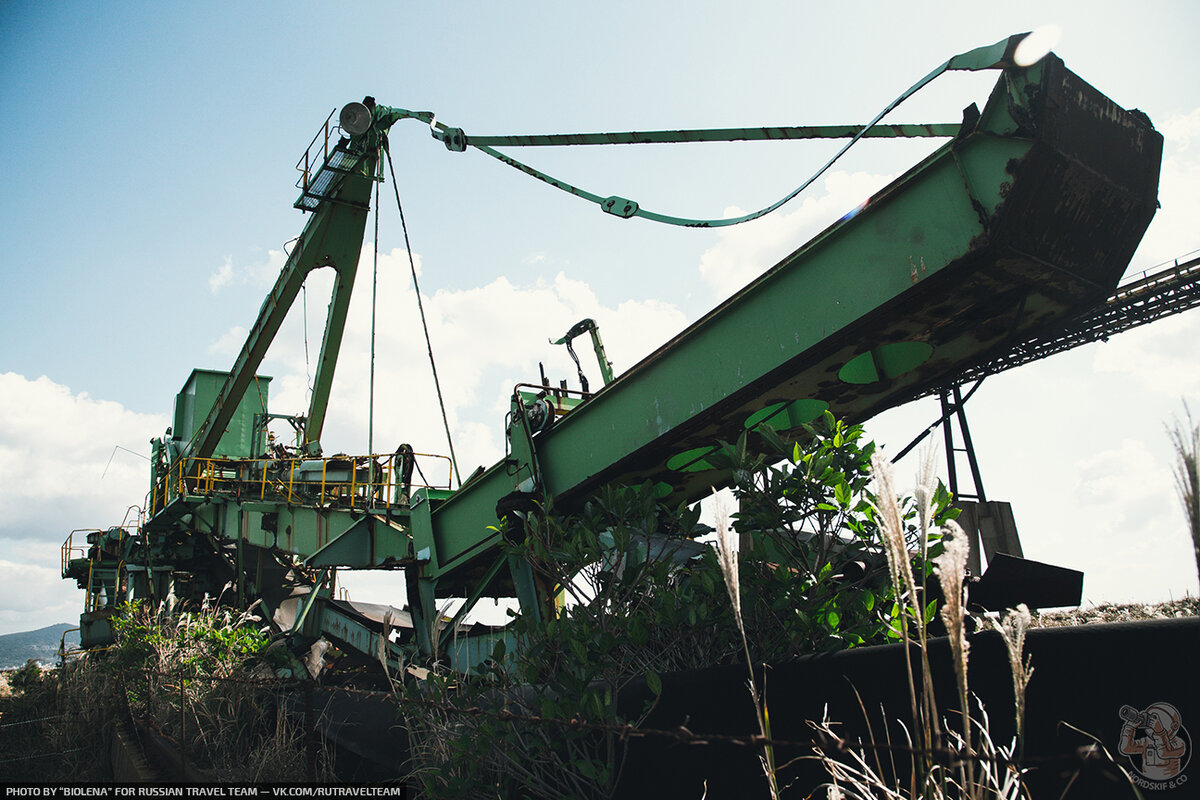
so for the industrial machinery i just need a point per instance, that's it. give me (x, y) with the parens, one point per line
(1024, 219)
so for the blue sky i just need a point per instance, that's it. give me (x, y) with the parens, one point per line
(148, 158)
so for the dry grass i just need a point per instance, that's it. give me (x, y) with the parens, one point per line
(1185, 439)
(232, 731)
(729, 569)
(979, 768)
(1118, 612)
(206, 661)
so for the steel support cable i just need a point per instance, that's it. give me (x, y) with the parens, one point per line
(696, 135)
(40, 755)
(996, 56)
(304, 314)
(632, 209)
(421, 308)
(946, 416)
(304, 318)
(371, 380)
(32, 721)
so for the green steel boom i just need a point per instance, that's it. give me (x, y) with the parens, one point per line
(339, 196)
(1030, 213)
(1027, 216)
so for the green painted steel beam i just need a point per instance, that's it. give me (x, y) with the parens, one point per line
(372, 541)
(343, 257)
(321, 537)
(352, 630)
(776, 133)
(333, 238)
(1029, 215)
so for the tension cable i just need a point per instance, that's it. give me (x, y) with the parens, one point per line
(1002, 55)
(421, 308)
(371, 380)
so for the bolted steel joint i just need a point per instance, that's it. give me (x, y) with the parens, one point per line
(619, 206)
(454, 139)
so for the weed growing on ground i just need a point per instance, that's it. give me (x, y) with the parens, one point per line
(200, 680)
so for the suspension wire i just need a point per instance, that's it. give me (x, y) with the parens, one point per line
(421, 308)
(262, 401)
(995, 56)
(117, 447)
(307, 370)
(371, 391)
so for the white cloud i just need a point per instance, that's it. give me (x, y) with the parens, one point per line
(1120, 479)
(1162, 358)
(55, 452)
(229, 344)
(222, 276)
(746, 251)
(33, 595)
(1173, 231)
(486, 339)
(1123, 505)
(60, 472)
(1181, 129)
(259, 274)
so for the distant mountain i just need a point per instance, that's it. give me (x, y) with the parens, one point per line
(42, 644)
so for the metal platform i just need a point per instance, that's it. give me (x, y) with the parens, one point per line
(334, 162)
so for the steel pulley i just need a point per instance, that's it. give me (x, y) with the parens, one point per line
(539, 415)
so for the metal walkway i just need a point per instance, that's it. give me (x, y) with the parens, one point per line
(1172, 290)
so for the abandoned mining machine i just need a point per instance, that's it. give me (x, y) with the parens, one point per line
(1020, 223)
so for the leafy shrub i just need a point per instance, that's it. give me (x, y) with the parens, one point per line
(816, 578)
(26, 677)
(629, 596)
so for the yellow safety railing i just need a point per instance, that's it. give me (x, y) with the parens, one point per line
(95, 553)
(63, 652)
(70, 550)
(370, 481)
(90, 595)
(317, 152)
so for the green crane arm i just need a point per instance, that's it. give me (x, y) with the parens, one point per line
(339, 194)
(1029, 215)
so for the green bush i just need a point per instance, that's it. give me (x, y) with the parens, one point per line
(814, 577)
(628, 600)
(27, 677)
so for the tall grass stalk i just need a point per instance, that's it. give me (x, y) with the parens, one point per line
(1012, 628)
(910, 601)
(1185, 438)
(951, 570)
(980, 768)
(728, 559)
